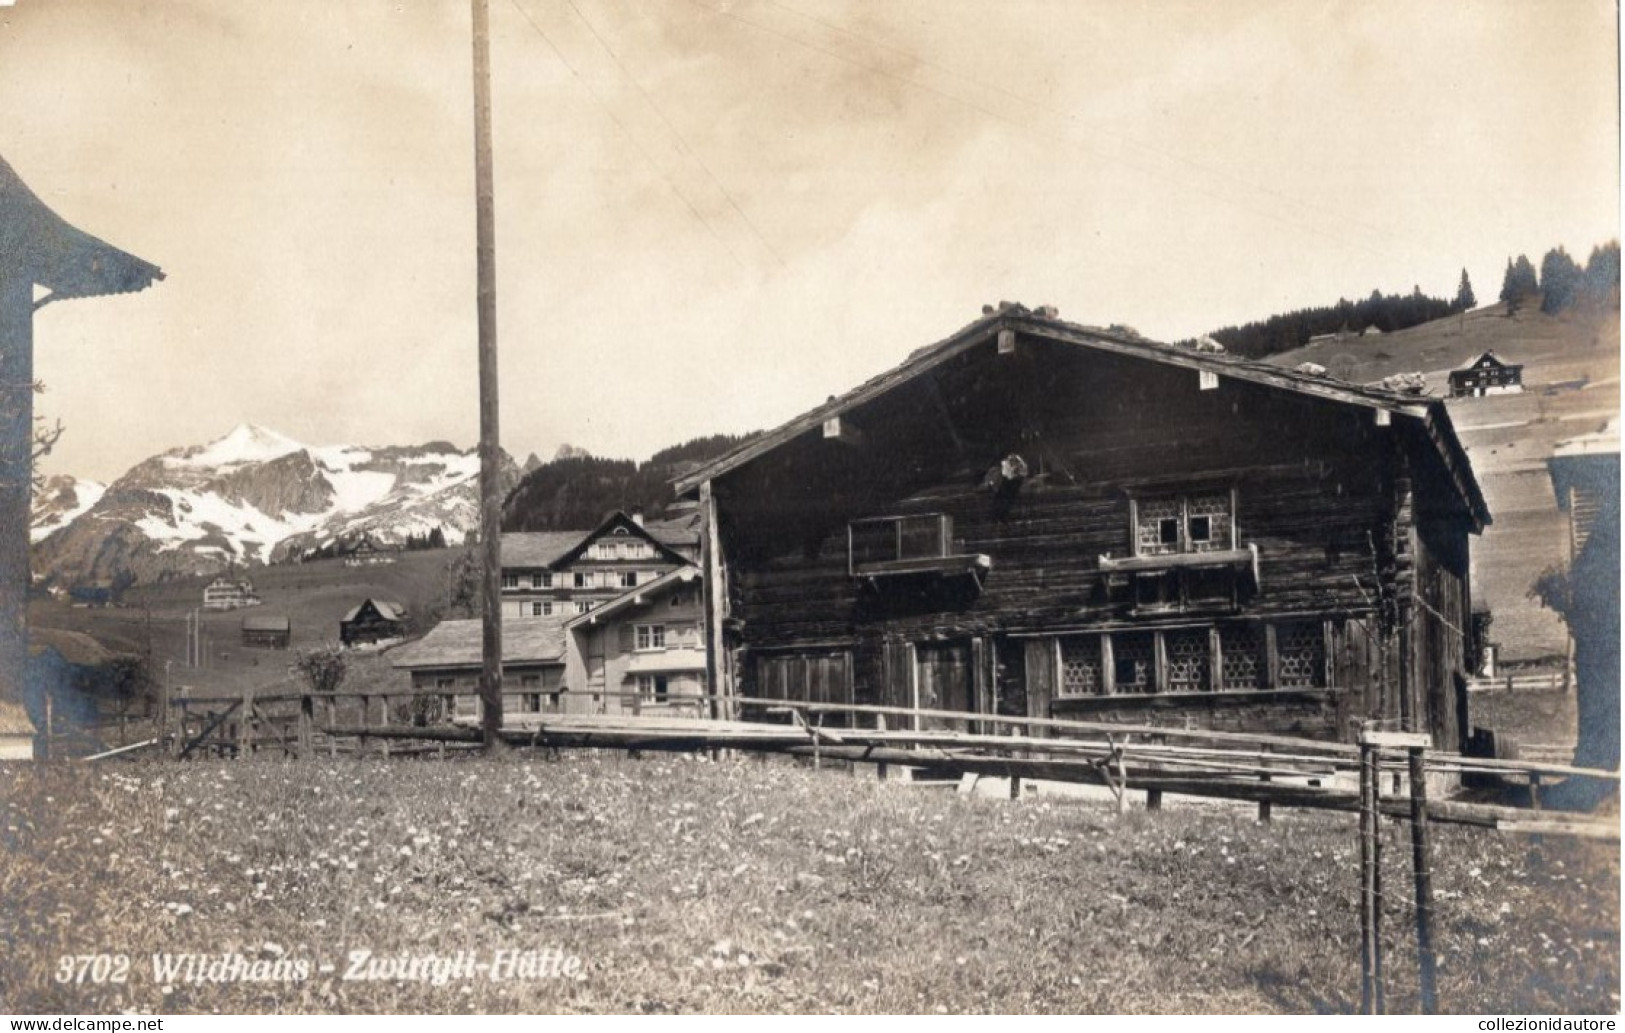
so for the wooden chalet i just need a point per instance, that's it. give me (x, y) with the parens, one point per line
(568, 573)
(365, 552)
(38, 249)
(642, 651)
(1486, 375)
(449, 658)
(264, 631)
(373, 620)
(1035, 517)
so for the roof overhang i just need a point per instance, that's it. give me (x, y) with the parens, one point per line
(67, 261)
(1430, 413)
(635, 596)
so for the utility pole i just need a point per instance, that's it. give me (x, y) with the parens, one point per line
(490, 450)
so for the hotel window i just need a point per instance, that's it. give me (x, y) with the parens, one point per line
(629, 579)
(583, 607)
(542, 580)
(510, 581)
(652, 687)
(543, 608)
(583, 579)
(651, 636)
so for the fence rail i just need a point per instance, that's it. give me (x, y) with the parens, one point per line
(1268, 769)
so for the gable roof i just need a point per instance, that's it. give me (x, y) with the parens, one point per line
(67, 260)
(265, 623)
(389, 611)
(1486, 360)
(683, 575)
(537, 548)
(676, 532)
(554, 549)
(1429, 412)
(461, 643)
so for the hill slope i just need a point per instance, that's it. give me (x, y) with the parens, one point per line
(1571, 387)
(313, 596)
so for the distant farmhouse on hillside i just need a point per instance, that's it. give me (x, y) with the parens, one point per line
(266, 631)
(368, 553)
(1486, 375)
(374, 620)
(224, 593)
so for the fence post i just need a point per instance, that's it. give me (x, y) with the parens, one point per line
(307, 717)
(880, 769)
(1370, 910)
(163, 715)
(1422, 866)
(244, 710)
(1264, 806)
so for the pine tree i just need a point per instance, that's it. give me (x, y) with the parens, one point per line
(1520, 282)
(1464, 294)
(1601, 280)
(1559, 280)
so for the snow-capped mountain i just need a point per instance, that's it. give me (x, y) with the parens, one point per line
(60, 501)
(256, 496)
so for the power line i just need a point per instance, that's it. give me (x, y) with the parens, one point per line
(682, 143)
(1096, 124)
(626, 132)
(1167, 156)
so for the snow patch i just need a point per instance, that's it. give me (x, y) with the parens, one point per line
(85, 493)
(246, 443)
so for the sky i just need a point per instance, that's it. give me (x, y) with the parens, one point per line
(711, 215)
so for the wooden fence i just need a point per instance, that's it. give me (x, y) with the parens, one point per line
(1266, 769)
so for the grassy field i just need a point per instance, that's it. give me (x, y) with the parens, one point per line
(684, 885)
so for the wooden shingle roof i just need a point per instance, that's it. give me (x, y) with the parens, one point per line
(68, 261)
(1429, 412)
(459, 644)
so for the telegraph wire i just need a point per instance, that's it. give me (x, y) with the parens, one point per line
(682, 143)
(626, 132)
(1231, 199)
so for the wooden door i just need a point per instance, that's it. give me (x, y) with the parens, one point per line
(943, 673)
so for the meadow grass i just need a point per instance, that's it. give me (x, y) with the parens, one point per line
(746, 885)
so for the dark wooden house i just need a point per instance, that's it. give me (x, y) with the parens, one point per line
(267, 632)
(1486, 375)
(373, 621)
(1037, 517)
